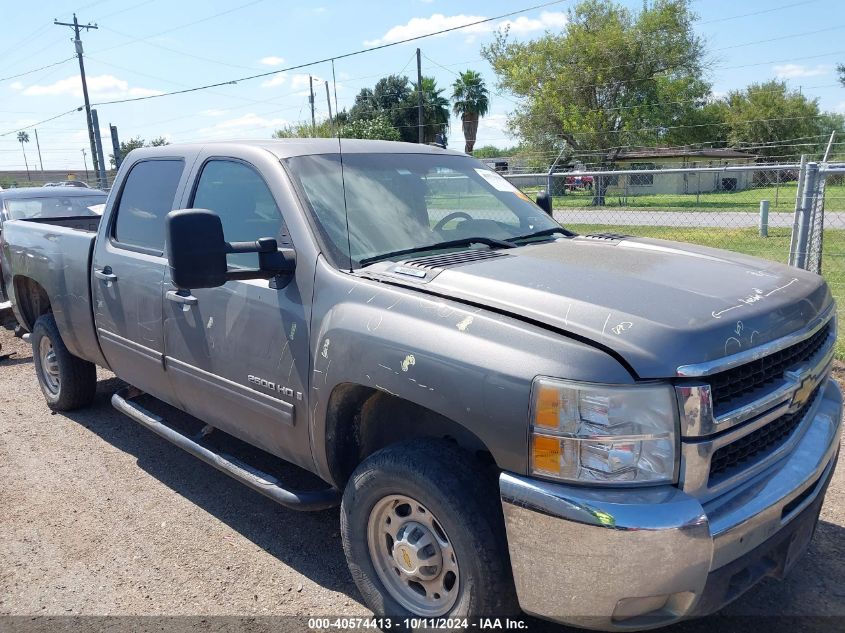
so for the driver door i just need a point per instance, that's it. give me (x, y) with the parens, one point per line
(239, 356)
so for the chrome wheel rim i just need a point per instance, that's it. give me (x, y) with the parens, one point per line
(49, 366)
(413, 556)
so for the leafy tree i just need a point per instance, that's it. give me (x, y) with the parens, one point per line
(136, 143)
(391, 99)
(470, 101)
(23, 137)
(371, 128)
(772, 120)
(435, 111)
(395, 99)
(613, 78)
(491, 151)
(841, 70)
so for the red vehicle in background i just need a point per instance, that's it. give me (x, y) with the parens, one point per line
(578, 183)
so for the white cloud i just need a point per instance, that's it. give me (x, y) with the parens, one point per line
(275, 80)
(213, 112)
(272, 60)
(16, 85)
(99, 86)
(242, 124)
(298, 81)
(794, 71)
(840, 107)
(416, 27)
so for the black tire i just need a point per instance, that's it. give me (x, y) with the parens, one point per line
(463, 496)
(76, 378)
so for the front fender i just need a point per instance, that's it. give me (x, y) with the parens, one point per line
(466, 363)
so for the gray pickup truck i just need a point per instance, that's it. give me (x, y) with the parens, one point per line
(601, 430)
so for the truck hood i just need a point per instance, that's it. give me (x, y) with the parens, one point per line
(657, 304)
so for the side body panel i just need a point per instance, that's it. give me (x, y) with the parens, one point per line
(59, 259)
(470, 365)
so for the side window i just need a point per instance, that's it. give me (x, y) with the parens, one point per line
(245, 205)
(147, 197)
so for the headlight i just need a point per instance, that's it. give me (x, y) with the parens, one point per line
(603, 434)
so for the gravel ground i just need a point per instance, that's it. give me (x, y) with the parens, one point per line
(99, 516)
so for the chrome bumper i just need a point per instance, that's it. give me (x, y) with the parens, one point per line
(643, 557)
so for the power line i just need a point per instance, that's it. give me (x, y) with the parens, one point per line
(333, 58)
(52, 118)
(35, 70)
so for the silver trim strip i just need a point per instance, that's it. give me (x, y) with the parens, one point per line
(740, 358)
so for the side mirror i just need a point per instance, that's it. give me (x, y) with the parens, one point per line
(544, 201)
(196, 252)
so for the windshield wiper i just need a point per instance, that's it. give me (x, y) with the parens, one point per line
(467, 241)
(543, 233)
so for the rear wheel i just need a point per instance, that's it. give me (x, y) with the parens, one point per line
(423, 534)
(67, 382)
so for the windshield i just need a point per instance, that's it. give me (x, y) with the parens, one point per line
(57, 206)
(399, 202)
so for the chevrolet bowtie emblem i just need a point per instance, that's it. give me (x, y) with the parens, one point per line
(802, 394)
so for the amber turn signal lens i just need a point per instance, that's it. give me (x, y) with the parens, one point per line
(548, 408)
(546, 454)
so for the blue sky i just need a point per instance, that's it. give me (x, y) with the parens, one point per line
(144, 47)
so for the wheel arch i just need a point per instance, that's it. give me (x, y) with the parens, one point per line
(31, 300)
(361, 420)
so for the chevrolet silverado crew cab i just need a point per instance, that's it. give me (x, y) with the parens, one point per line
(602, 430)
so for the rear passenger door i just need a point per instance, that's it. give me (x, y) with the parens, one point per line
(128, 272)
(238, 356)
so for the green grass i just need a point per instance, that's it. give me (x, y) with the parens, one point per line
(775, 248)
(781, 199)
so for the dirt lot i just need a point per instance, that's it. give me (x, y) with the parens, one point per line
(99, 516)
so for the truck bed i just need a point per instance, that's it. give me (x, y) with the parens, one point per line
(57, 254)
(89, 223)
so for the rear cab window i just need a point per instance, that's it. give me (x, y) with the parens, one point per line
(147, 196)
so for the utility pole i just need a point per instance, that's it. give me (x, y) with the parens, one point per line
(328, 100)
(419, 98)
(101, 161)
(85, 162)
(115, 144)
(78, 44)
(38, 145)
(311, 99)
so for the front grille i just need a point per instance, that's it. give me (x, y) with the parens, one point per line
(734, 383)
(764, 439)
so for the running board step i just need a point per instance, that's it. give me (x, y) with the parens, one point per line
(262, 482)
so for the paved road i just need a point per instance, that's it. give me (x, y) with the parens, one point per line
(100, 516)
(716, 219)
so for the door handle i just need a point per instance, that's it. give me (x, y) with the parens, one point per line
(105, 274)
(185, 300)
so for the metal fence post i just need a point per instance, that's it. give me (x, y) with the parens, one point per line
(764, 218)
(801, 247)
(799, 196)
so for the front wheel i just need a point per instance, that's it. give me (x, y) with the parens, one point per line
(67, 382)
(423, 534)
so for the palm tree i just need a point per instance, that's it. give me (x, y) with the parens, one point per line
(435, 110)
(23, 137)
(470, 102)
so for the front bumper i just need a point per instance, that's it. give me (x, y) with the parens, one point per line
(644, 557)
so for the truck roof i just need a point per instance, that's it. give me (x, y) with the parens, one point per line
(290, 147)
